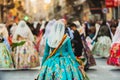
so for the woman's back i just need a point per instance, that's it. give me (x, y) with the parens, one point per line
(64, 49)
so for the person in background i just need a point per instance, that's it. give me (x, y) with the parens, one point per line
(5, 50)
(113, 26)
(36, 26)
(76, 41)
(4, 34)
(24, 54)
(89, 59)
(103, 36)
(39, 39)
(5, 56)
(114, 56)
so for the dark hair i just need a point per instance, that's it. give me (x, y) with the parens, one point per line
(46, 23)
(104, 23)
(73, 25)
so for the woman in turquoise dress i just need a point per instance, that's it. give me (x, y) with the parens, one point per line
(63, 64)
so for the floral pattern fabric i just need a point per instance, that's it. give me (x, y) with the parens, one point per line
(61, 66)
(102, 46)
(87, 53)
(5, 57)
(114, 58)
(26, 56)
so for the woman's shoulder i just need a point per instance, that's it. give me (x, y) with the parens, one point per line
(67, 39)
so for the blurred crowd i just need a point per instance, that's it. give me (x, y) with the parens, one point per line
(22, 43)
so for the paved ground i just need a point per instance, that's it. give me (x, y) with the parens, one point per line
(103, 72)
(99, 72)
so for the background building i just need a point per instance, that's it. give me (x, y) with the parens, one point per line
(49, 9)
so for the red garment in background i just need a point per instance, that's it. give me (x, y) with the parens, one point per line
(114, 58)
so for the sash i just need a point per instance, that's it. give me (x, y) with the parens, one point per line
(54, 51)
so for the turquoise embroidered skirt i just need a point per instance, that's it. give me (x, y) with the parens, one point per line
(60, 68)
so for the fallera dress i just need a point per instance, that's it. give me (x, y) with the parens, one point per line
(88, 54)
(114, 58)
(25, 56)
(5, 56)
(103, 42)
(62, 65)
(102, 46)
